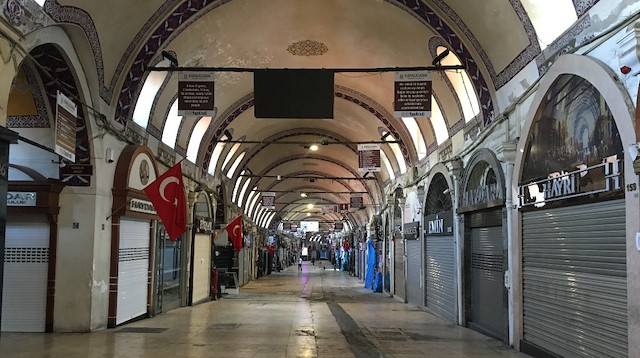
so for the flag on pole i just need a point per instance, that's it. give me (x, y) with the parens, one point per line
(234, 229)
(167, 196)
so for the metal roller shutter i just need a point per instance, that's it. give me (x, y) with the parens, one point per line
(488, 313)
(414, 286)
(398, 262)
(133, 269)
(440, 277)
(575, 280)
(26, 262)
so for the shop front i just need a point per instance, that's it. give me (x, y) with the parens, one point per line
(30, 252)
(440, 250)
(202, 252)
(482, 203)
(573, 226)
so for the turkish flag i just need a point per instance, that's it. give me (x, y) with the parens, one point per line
(167, 196)
(234, 229)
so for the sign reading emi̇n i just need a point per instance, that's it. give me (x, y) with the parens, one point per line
(195, 94)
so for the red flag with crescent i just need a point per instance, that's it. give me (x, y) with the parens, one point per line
(167, 196)
(234, 229)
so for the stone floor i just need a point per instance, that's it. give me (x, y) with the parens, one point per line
(313, 313)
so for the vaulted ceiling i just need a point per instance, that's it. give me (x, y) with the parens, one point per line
(493, 39)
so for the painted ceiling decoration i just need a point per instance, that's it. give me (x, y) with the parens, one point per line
(307, 48)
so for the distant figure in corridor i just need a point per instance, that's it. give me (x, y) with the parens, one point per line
(300, 264)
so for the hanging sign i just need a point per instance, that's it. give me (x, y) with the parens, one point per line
(328, 208)
(269, 200)
(195, 94)
(356, 202)
(344, 208)
(369, 157)
(65, 134)
(412, 94)
(338, 226)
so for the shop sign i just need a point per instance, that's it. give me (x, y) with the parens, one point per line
(142, 206)
(482, 195)
(21, 198)
(564, 185)
(440, 224)
(65, 128)
(203, 226)
(411, 230)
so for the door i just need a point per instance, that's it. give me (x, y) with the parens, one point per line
(133, 269)
(168, 266)
(26, 262)
(414, 265)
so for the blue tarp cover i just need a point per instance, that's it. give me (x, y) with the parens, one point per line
(371, 264)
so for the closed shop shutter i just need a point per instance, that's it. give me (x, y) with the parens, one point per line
(414, 259)
(488, 312)
(201, 267)
(24, 294)
(398, 262)
(575, 280)
(133, 269)
(440, 276)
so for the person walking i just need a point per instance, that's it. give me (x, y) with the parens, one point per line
(300, 264)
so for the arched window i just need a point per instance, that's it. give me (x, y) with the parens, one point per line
(462, 85)
(171, 126)
(548, 22)
(395, 148)
(244, 189)
(148, 94)
(215, 156)
(196, 138)
(387, 164)
(439, 125)
(416, 136)
(252, 206)
(236, 186)
(230, 155)
(269, 219)
(233, 168)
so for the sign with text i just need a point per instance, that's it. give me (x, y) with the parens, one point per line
(369, 157)
(269, 200)
(411, 230)
(195, 94)
(356, 202)
(15, 198)
(142, 206)
(412, 94)
(65, 134)
(344, 208)
(328, 208)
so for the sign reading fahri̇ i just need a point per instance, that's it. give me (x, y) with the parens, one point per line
(412, 94)
(195, 94)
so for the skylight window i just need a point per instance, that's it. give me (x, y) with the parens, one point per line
(416, 135)
(244, 189)
(148, 94)
(215, 156)
(550, 23)
(235, 165)
(233, 151)
(172, 126)
(387, 164)
(196, 138)
(439, 125)
(462, 85)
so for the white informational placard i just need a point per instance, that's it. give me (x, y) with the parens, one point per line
(356, 202)
(269, 200)
(412, 96)
(369, 157)
(195, 94)
(65, 133)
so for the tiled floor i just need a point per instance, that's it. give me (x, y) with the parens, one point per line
(313, 313)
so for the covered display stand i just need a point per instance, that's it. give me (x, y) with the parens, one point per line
(30, 252)
(482, 203)
(133, 229)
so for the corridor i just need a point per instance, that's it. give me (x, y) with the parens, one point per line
(313, 313)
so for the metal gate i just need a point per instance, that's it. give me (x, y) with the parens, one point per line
(133, 269)
(488, 310)
(26, 262)
(398, 262)
(575, 280)
(414, 264)
(440, 276)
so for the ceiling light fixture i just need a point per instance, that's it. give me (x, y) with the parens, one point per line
(304, 195)
(309, 206)
(313, 147)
